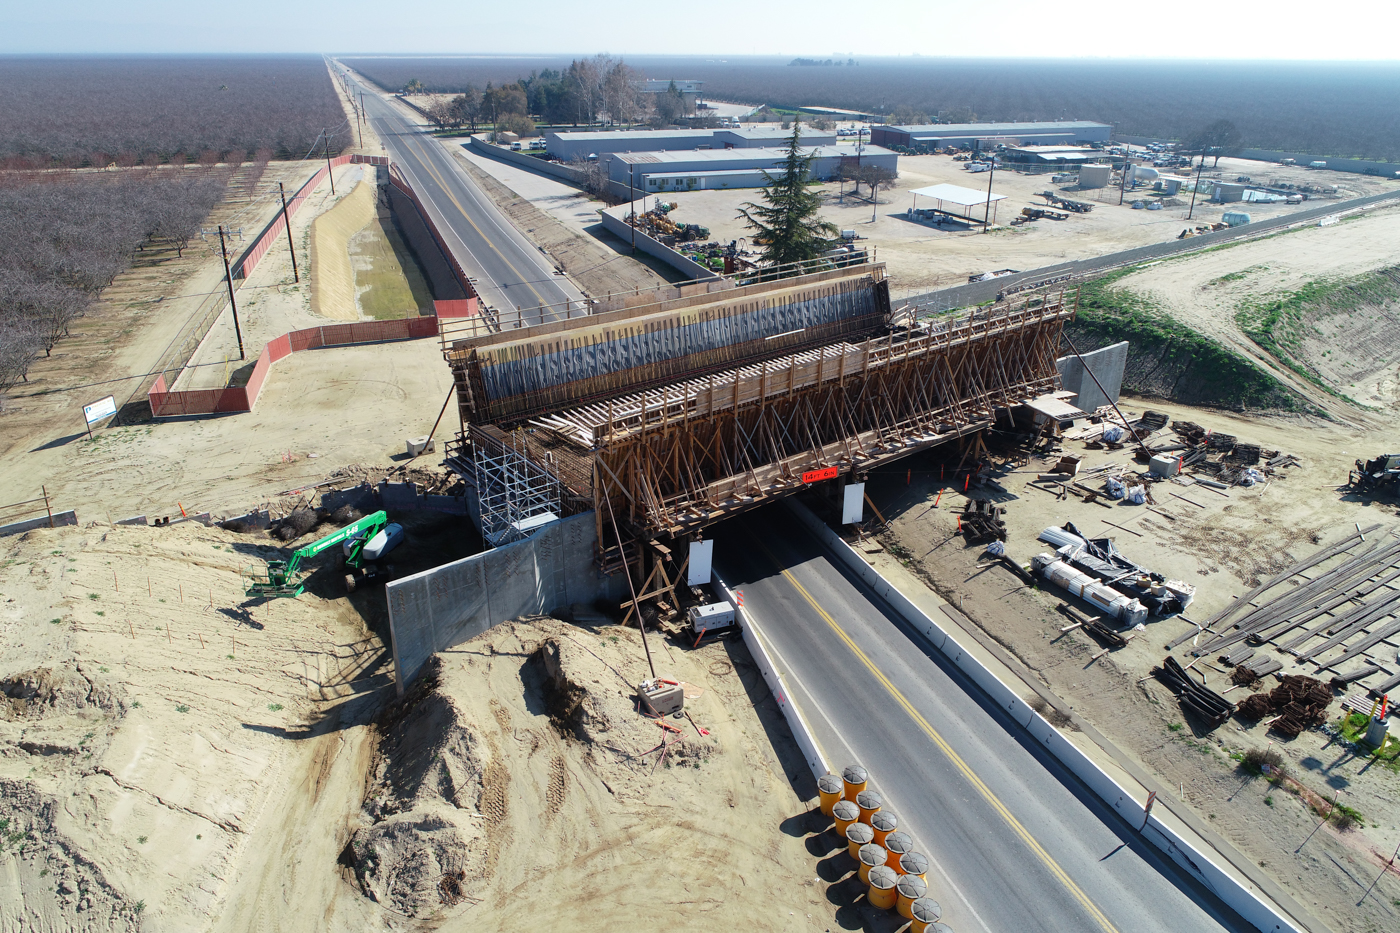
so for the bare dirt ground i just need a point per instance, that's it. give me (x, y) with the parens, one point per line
(920, 257)
(175, 757)
(1205, 291)
(1221, 545)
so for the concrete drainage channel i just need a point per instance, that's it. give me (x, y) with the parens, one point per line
(1236, 892)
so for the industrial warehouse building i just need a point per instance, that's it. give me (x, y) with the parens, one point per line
(566, 147)
(989, 135)
(643, 173)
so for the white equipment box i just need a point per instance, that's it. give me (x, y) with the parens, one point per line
(715, 615)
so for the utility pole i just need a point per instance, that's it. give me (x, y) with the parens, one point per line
(1197, 186)
(1127, 167)
(987, 214)
(287, 222)
(233, 303)
(330, 173)
(632, 197)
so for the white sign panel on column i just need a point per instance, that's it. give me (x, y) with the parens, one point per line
(853, 506)
(100, 409)
(698, 571)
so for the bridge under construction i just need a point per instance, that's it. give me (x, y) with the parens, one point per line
(666, 412)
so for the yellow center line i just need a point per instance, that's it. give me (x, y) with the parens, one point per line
(952, 755)
(413, 141)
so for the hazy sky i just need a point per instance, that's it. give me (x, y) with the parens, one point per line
(1233, 29)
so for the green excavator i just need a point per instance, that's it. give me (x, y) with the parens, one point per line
(363, 541)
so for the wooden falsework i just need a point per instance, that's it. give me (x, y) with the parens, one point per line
(677, 458)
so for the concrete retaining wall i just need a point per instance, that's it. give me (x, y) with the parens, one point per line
(443, 607)
(458, 273)
(749, 628)
(1239, 895)
(555, 169)
(59, 518)
(1106, 363)
(399, 497)
(613, 223)
(232, 399)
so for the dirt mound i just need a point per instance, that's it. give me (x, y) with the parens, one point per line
(59, 887)
(463, 772)
(43, 692)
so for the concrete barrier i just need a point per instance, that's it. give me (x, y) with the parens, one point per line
(59, 519)
(1241, 896)
(440, 608)
(749, 628)
(555, 169)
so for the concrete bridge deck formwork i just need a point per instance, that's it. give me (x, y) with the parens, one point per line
(670, 417)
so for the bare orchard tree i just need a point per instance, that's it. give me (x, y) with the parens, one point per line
(623, 97)
(595, 177)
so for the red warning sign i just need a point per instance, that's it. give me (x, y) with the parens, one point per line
(816, 476)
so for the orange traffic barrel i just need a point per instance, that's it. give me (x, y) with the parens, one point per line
(882, 887)
(871, 856)
(898, 844)
(829, 786)
(845, 813)
(926, 913)
(909, 888)
(883, 823)
(869, 802)
(854, 778)
(857, 835)
(913, 863)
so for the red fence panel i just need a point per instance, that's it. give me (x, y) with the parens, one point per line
(456, 308)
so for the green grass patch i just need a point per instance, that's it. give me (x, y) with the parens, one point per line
(1183, 364)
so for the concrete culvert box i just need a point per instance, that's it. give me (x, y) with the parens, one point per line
(845, 812)
(871, 856)
(882, 881)
(858, 836)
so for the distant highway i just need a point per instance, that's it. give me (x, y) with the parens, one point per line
(1018, 843)
(510, 270)
(963, 296)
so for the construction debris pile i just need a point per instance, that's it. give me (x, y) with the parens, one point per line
(1108, 569)
(981, 521)
(1221, 459)
(1204, 704)
(1300, 702)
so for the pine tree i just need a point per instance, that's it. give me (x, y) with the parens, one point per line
(787, 221)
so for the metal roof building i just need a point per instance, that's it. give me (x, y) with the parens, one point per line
(933, 135)
(644, 173)
(569, 146)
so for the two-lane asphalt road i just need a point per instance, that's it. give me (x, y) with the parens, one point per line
(1017, 842)
(510, 271)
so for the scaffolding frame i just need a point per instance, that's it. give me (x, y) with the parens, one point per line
(512, 490)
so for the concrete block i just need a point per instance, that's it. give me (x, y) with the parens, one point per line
(1164, 465)
(420, 445)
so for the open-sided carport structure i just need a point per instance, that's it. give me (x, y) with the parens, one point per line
(964, 199)
(675, 414)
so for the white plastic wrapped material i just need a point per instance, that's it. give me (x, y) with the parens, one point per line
(1058, 537)
(1112, 434)
(1184, 592)
(996, 548)
(1251, 476)
(1137, 495)
(1116, 488)
(1129, 610)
